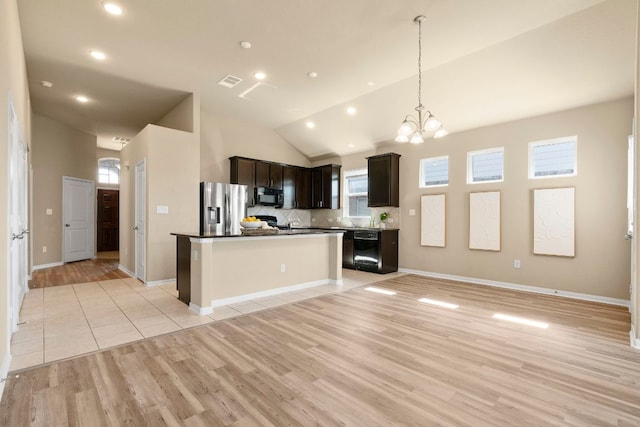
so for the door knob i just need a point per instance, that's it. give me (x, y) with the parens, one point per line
(135, 228)
(67, 225)
(16, 236)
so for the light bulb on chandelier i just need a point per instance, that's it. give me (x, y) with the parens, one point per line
(412, 128)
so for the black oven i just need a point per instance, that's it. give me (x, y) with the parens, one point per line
(269, 197)
(366, 250)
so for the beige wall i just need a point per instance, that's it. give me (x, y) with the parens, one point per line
(58, 151)
(602, 262)
(13, 80)
(172, 181)
(184, 116)
(224, 137)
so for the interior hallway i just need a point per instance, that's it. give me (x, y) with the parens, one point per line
(79, 308)
(104, 267)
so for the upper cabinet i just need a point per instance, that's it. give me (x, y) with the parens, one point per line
(384, 180)
(269, 174)
(243, 171)
(325, 187)
(289, 186)
(303, 189)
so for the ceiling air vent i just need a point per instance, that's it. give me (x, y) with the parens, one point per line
(229, 81)
(120, 140)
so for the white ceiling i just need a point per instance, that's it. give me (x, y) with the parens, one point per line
(484, 62)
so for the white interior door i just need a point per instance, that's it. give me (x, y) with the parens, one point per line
(140, 214)
(77, 219)
(18, 222)
(631, 179)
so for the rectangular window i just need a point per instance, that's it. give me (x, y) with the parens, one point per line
(485, 166)
(553, 158)
(356, 185)
(434, 172)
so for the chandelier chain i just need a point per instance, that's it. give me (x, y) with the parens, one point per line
(419, 63)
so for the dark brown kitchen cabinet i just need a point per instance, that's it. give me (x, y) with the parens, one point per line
(243, 171)
(384, 180)
(289, 189)
(325, 187)
(303, 189)
(268, 175)
(347, 250)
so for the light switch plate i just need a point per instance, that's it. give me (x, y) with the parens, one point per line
(162, 209)
(49, 211)
(412, 212)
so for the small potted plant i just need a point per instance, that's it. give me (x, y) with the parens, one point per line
(383, 219)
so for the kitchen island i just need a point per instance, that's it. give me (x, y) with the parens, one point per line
(220, 269)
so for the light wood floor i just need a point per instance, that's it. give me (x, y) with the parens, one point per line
(361, 359)
(104, 267)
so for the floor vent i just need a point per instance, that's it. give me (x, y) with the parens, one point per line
(229, 81)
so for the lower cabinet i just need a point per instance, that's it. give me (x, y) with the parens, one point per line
(370, 250)
(347, 250)
(183, 267)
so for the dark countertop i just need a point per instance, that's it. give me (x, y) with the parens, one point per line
(293, 232)
(347, 228)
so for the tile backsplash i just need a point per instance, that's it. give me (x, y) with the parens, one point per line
(327, 217)
(295, 217)
(334, 218)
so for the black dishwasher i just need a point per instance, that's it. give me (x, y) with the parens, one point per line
(366, 250)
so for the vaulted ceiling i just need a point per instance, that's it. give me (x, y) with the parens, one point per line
(483, 62)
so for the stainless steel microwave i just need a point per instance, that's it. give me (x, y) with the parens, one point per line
(269, 197)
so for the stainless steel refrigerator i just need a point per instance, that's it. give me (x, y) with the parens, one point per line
(222, 207)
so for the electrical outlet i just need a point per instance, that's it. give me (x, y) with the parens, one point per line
(282, 268)
(49, 211)
(195, 255)
(516, 263)
(412, 212)
(44, 249)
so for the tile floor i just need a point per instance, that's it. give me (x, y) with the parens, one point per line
(66, 321)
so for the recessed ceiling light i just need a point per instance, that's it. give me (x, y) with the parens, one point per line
(371, 84)
(245, 45)
(260, 75)
(112, 8)
(310, 124)
(351, 110)
(81, 98)
(312, 74)
(46, 83)
(96, 54)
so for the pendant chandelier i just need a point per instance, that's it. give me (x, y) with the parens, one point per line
(414, 128)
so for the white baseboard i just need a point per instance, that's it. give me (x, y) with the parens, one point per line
(202, 311)
(123, 268)
(515, 286)
(271, 292)
(41, 266)
(159, 282)
(336, 282)
(4, 370)
(634, 339)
